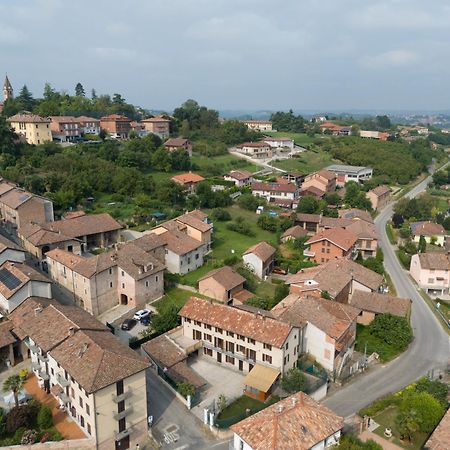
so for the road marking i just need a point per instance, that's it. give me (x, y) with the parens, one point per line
(182, 448)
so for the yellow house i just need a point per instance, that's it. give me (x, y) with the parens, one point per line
(35, 129)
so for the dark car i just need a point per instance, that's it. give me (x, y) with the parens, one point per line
(128, 324)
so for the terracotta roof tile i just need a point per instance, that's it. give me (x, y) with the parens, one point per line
(5, 244)
(297, 422)
(240, 174)
(427, 228)
(28, 118)
(179, 242)
(176, 142)
(6, 336)
(380, 190)
(275, 187)
(187, 178)
(434, 261)
(225, 276)
(440, 438)
(263, 251)
(84, 225)
(258, 144)
(380, 303)
(338, 236)
(229, 318)
(304, 217)
(355, 214)
(296, 232)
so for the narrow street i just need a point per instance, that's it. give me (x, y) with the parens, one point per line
(430, 348)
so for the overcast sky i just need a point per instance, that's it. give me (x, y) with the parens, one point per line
(235, 54)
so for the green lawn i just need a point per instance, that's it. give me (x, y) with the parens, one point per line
(174, 296)
(265, 290)
(307, 162)
(299, 138)
(120, 210)
(191, 278)
(219, 165)
(226, 240)
(386, 419)
(240, 405)
(386, 352)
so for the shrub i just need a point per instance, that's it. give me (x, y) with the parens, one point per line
(44, 417)
(23, 373)
(220, 214)
(29, 437)
(435, 388)
(380, 405)
(240, 227)
(349, 442)
(392, 330)
(186, 389)
(248, 201)
(18, 417)
(231, 260)
(293, 381)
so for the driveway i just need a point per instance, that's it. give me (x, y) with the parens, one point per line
(430, 348)
(174, 427)
(220, 381)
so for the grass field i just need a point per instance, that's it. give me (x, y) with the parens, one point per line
(219, 165)
(363, 337)
(240, 405)
(299, 138)
(307, 162)
(226, 240)
(174, 296)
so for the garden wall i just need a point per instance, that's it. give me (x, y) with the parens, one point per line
(72, 444)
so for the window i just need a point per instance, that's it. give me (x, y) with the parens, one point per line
(123, 285)
(230, 359)
(196, 322)
(208, 327)
(80, 401)
(207, 337)
(196, 256)
(146, 284)
(82, 421)
(72, 393)
(189, 260)
(70, 248)
(229, 333)
(156, 278)
(251, 341)
(110, 284)
(187, 320)
(218, 330)
(287, 346)
(123, 273)
(267, 346)
(122, 425)
(53, 372)
(89, 429)
(240, 337)
(110, 271)
(240, 349)
(328, 250)
(322, 250)
(207, 351)
(267, 358)
(197, 335)
(88, 409)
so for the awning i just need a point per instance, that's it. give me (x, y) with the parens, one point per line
(261, 378)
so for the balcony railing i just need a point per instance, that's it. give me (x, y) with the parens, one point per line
(121, 397)
(42, 358)
(123, 434)
(35, 365)
(240, 356)
(43, 375)
(124, 413)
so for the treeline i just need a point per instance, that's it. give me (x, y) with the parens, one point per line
(393, 162)
(53, 103)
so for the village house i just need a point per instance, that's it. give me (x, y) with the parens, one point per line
(18, 281)
(160, 126)
(221, 284)
(98, 381)
(431, 272)
(323, 180)
(280, 142)
(116, 126)
(19, 207)
(379, 197)
(431, 231)
(132, 275)
(345, 173)
(296, 422)
(284, 193)
(260, 259)
(65, 128)
(258, 125)
(188, 181)
(138, 128)
(356, 214)
(331, 244)
(9, 251)
(335, 130)
(309, 222)
(175, 144)
(372, 304)
(367, 242)
(76, 234)
(348, 276)
(251, 342)
(379, 135)
(89, 125)
(34, 129)
(240, 178)
(292, 233)
(258, 150)
(294, 177)
(329, 328)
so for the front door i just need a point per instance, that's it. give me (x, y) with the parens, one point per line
(123, 444)
(241, 365)
(219, 357)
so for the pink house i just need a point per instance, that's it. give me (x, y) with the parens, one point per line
(431, 272)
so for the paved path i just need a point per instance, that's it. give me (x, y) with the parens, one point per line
(430, 348)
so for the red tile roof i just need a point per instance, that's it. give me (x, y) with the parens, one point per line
(263, 251)
(380, 303)
(185, 178)
(275, 187)
(296, 423)
(338, 236)
(225, 276)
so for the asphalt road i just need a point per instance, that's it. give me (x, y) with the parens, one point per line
(430, 348)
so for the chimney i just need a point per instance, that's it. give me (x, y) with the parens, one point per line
(294, 401)
(83, 349)
(280, 408)
(71, 331)
(38, 309)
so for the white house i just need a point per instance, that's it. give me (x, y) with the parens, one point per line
(259, 150)
(240, 178)
(280, 142)
(346, 173)
(273, 192)
(297, 422)
(432, 232)
(260, 259)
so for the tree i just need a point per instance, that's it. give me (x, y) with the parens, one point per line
(165, 320)
(383, 122)
(309, 205)
(25, 99)
(294, 380)
(44, 417)
(79, 90)
(420, 410)
(93, 94)
(186, 389)
(422, 244)
(14, 384)
(248, 201)
(393, 330)
(350, 442)
(435, 388)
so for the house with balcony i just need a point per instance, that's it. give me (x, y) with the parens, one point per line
(177, 144)
(252, 342)
(338, 279)
(260, 259)
(131, 274)
(284, 194)
(97, 380)
(330, 244)
(431, 272)
(65, 128)
(258, 150)
(240, 178)
(329, 328)
(323, 180)
(19, 281)
(89, 125)
(296, 422)
(116, 125)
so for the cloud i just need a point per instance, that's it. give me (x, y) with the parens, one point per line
(115, 54)
(390, 59)
(11, 35)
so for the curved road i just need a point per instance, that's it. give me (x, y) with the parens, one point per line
(430, 348)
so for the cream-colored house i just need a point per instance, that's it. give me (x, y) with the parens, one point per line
(158, 125)
(9, 251)
(379, 197)
(35, 129)
(260, 259)
(431, 231)
(258, 125)
(221, 284)
(132, 274)
(99, 381)
(248, 341)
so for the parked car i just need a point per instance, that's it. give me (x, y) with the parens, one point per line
(142, 314)
(128, 324)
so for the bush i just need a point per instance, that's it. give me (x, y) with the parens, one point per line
(44, 417)
(23, 373)
(240, 227)
(248, 201)
(404, 259)
(220, 214)
(19, 416)
(293, 381)
(380, 405)
(435, 388)
(349, 442)
(186, 389)
(393, 330)
(231, 260)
